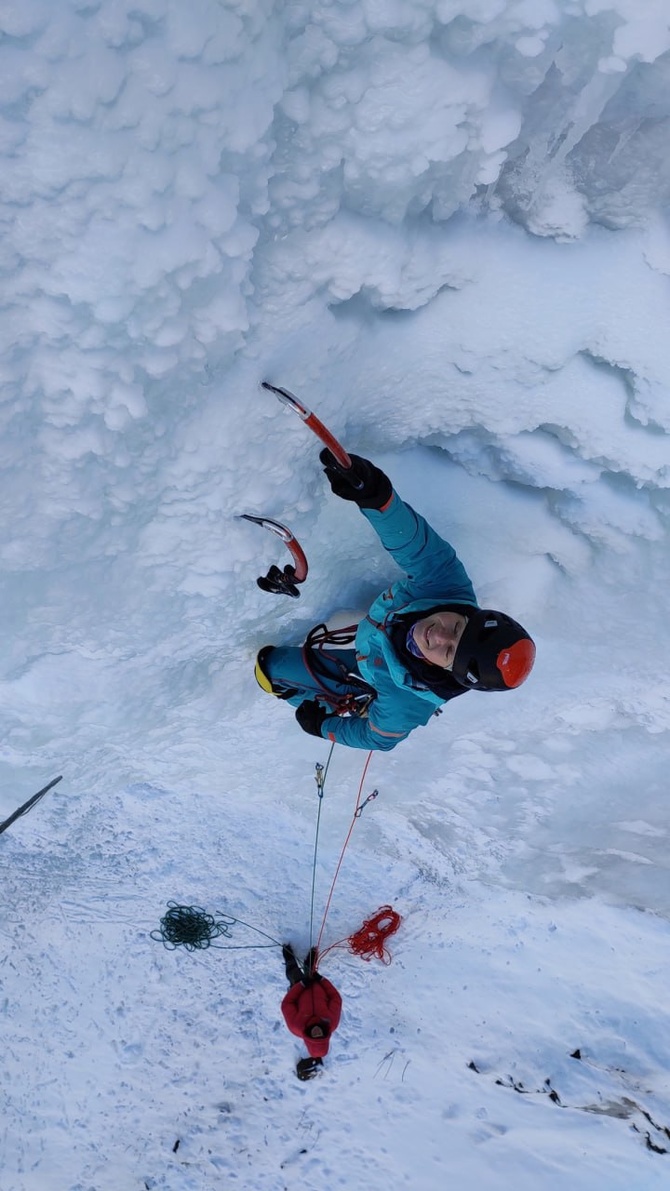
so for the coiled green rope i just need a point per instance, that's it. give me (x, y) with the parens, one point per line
(190, 927)
(193, 928)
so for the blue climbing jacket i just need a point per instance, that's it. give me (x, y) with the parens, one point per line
(434, 575)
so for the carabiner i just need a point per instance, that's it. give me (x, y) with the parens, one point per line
(359, 810)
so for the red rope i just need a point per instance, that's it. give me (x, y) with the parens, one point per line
(368, 941)
(344, 848)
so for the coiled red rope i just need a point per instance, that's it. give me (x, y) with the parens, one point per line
(369, 940)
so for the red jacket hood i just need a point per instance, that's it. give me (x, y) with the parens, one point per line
(317, 1047)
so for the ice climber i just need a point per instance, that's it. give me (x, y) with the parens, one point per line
(423, 642)
(311, 1008)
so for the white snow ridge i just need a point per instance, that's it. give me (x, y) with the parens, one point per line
(444, 225)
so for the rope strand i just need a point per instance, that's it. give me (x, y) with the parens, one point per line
(344, 848)
(321, 775)
(193, 928)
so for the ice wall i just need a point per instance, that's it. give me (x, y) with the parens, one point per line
(195, 194)
(161, 161)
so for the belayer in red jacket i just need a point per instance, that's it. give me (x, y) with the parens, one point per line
(311, 1008)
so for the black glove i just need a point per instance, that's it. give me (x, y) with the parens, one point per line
(310, 715)
(310, 964)
(374, 487)
(315, 978)
(308, 1068)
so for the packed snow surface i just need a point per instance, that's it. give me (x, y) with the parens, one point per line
(444, 225)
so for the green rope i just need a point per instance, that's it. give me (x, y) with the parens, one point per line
(193, 928)
(196, 930)
(321, 775)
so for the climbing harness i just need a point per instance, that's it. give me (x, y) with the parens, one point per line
(316, 640)
(354, 702)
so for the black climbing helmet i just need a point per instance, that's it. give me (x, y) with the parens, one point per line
(494, 653)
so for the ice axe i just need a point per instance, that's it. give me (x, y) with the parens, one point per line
(277, 581)
(285, 582)
(342, 459)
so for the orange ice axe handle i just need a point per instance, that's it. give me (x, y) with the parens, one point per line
(276, 581)
(317, 427)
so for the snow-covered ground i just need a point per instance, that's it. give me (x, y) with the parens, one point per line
(443, 224)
